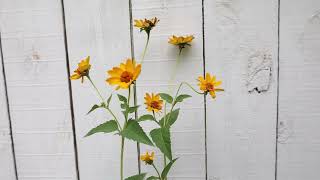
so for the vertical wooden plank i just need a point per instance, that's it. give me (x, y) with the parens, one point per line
(299, 137)
(7, 165)
(35, 64)
(179, 17)
(100, 29)
(241, 49)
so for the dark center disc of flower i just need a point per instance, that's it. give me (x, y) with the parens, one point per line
(209, 87)
(126, 77)
(155, 105)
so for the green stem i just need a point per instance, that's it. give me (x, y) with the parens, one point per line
(121, 158)
(174, 73)
(129, 95)
(176, 95)
(157, 171)
(102, 99)
(95, 87)
(135, 101)
(192, 88)
(155, 119)
(145, 49)
(164, 163)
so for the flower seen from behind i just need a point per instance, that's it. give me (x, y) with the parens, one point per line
(209, 84)
(124, 75)
(146, 24)
(82, 70)
(147, 158)
(153, 102)
(181, 41)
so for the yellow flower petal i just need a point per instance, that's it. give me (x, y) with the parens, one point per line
(124, 75)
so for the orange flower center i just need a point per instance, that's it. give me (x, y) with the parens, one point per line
(81, 73)
(155, 105)
(126, 77)
(209, 87)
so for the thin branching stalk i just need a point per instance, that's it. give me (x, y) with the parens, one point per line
(157, 171)
(145, 49)
(176, 95)
(107, 105)
(174, 73)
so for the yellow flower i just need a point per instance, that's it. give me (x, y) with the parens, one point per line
(124, 75)
(82, 70)
(146, 24)
(153, 102)
(148, 159)
(181, 41)
(208, 84)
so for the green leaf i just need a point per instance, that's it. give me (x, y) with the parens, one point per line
(167, 169)
(122, 98)
(146, 117)
(171, 118)
(152, 178)
(133, 109)
(181, 97)
(161, 137)
(134, 132)
(107, 127)
(94, 107)
(166, 97)
(109, 99)
(124, 106)
(137, 177)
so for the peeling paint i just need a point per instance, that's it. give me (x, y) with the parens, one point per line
(309, 39)
(259, 72)
(228, 16)
(284, 133)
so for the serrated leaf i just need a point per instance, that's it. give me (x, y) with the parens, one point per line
(171, 118)
(122, 98)
(137, 177)
(166, 97)
(152, 178)
(167, 169)
(181, 97)
(107, 127)
(161, 138)
(135, 132)
(146, 117)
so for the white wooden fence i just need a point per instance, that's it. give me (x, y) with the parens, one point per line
(264, 127)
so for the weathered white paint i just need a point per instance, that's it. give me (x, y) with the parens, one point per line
(179, 17)
(241, 47)
(299, 115)
(34, 58)
(100, 29)
(7, 170)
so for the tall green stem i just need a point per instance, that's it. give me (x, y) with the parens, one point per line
(121, 158)
(174, 73)
(135, 99)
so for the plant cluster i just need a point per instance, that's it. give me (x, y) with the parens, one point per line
(124, 77)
